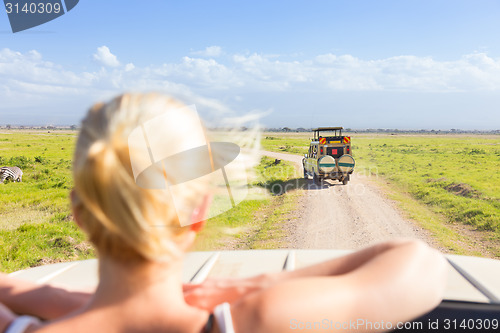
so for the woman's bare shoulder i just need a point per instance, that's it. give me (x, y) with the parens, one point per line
(276, 308)
(394, 285)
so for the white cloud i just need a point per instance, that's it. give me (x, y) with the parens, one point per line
(209, 52)
(330, 72)
(28, 80)
(29, 73)
(129, 67)
(105, 57)
(256, 72)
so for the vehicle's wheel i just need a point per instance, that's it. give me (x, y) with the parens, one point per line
(317, 180)
(344, 181)
(305, 174)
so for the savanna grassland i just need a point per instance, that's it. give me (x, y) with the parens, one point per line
(36, 225)
(35, 217)
(449, 183)
(256, 222)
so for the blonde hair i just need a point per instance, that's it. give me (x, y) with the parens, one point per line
(123, 220)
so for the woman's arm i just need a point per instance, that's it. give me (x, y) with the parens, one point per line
(341, 265)
(398, 285)
(43, 301)
(212, 292)
(6, 317)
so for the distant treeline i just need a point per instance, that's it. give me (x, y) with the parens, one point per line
(296, 130)
(390, 130)
(48, 127)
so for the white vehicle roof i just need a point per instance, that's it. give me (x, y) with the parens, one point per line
(470, 278)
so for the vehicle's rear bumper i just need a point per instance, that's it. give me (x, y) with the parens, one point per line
(335, 175)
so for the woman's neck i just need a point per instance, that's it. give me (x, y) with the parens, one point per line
(132, 295)
(119, 282)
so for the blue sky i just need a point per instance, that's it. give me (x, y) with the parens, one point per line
(359, 64)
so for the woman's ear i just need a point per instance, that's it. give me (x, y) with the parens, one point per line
(200, 214)
(198, 226)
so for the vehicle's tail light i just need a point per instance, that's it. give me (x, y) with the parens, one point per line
(321, 150)
(348, 150)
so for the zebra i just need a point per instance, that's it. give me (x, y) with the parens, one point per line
(14, 173)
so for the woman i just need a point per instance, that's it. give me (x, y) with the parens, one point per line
(136, 231)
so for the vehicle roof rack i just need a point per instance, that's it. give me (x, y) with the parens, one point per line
(319, 129)
(327, 129)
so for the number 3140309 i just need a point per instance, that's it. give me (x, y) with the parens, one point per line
(33, 8)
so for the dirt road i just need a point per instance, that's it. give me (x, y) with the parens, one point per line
(345, 217)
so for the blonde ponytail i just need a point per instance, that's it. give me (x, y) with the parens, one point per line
(123, 220)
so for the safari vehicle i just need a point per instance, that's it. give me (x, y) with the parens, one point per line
(329, 156)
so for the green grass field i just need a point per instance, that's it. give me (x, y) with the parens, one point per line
(46, 162)
(455, 176)
(255, 222)
(36, 226)
(35, 218)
